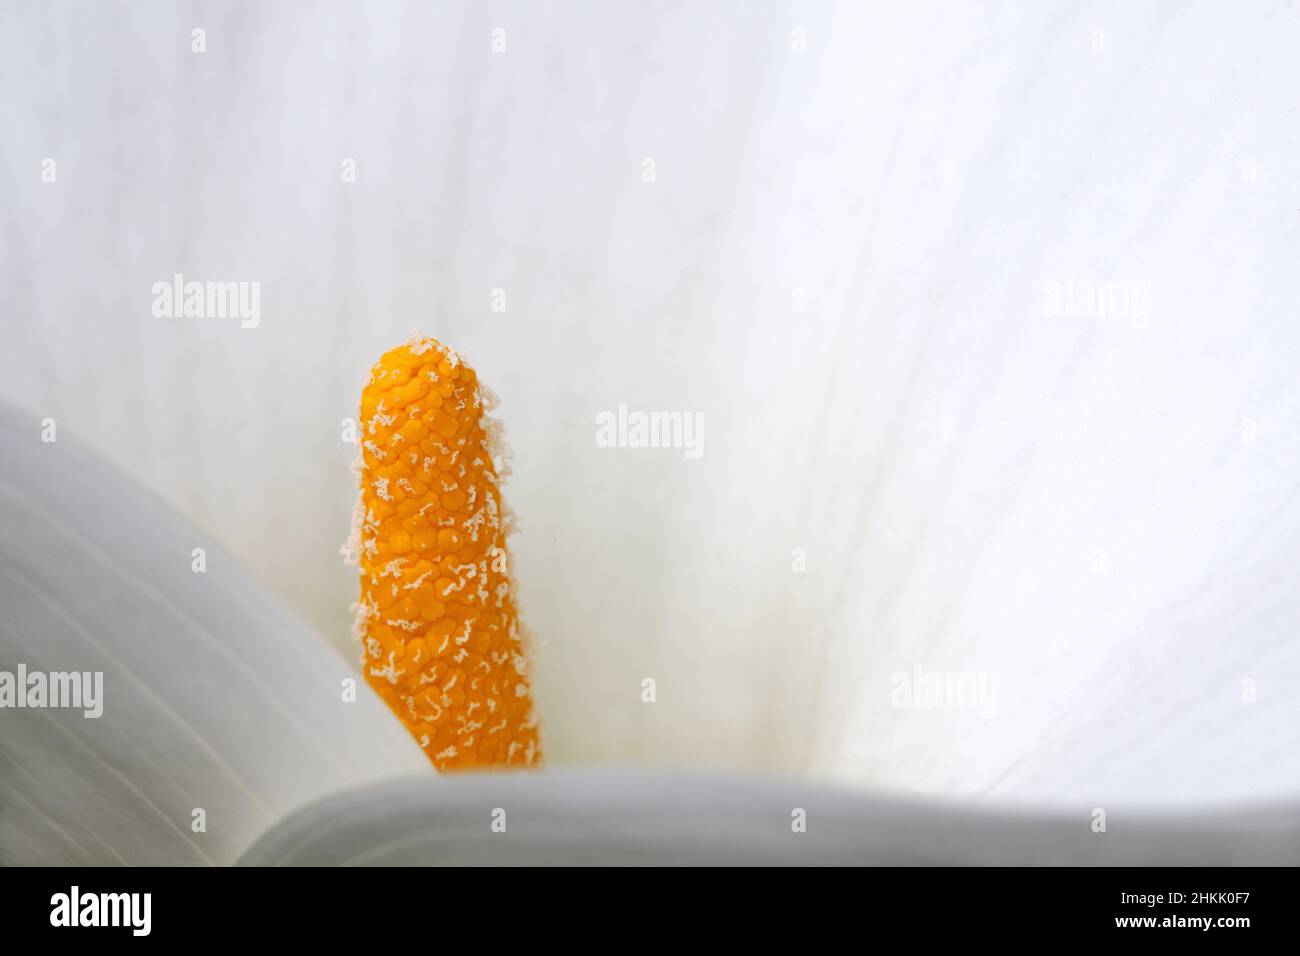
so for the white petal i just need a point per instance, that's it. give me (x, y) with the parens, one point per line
(606, 818)
(842, 263)
(215, 697)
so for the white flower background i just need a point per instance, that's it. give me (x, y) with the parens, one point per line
(1101, 511)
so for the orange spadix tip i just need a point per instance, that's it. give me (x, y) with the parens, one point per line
(436, 618)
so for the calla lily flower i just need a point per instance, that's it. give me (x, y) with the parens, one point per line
(902, 407)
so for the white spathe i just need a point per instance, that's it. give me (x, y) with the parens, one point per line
(218, 712)
(989, 313)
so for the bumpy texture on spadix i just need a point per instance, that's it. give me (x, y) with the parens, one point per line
(436, 619)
